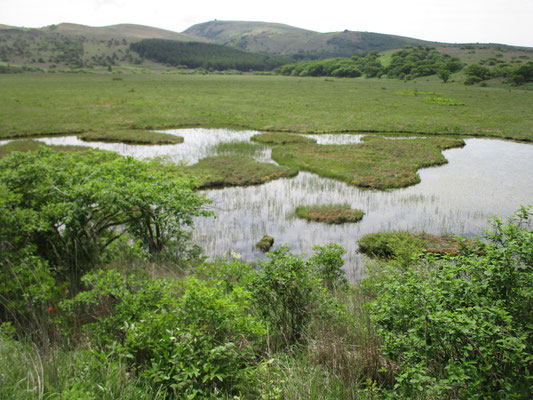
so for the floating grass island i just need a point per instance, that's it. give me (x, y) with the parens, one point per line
(377, 163)
(330, 214)
(233, 170)
(132, 137)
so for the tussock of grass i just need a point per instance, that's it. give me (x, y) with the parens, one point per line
(132, 136)
(414, 93)
(32, 145)
(330, 214)
(228, 170)
(389, 244)
(376, 163)
(277, 138)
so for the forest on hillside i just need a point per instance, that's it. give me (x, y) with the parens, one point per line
(203, 55)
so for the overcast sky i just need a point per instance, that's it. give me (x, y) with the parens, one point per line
(455, 21)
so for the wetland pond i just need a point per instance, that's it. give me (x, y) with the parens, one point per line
(485, 178)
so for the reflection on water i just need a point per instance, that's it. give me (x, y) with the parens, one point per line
(197, 143)
(485, 178)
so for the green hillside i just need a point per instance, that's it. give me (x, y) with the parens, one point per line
(271, 38)
(76, 46)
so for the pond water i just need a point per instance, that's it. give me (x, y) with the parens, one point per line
(485, 178)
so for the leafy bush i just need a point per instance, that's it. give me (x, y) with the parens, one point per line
(191, 339)
(74, 205)
(288, 291)
(461, 327)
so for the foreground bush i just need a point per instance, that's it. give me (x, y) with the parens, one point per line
(461, 327)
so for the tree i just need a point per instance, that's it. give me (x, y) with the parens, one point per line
(444, 74)
(81, 202)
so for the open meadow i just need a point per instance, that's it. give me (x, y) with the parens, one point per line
(38, 104)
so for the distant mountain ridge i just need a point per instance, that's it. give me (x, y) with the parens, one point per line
(280, 39)
(76, 46)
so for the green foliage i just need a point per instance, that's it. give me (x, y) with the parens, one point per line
(328, 264)
(461, 327)
(414, 62)
(389, 245)
(204, 55)
(197, 338)
(82, 202)
(288, 292)
(477, 73)
(522, 74)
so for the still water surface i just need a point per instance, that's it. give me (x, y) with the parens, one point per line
(485, 178)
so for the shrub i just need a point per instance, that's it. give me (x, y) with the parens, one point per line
(460, 327)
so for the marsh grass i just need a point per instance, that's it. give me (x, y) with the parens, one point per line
(280, 138)
(45, 104)
(330, 213)
(232, 170)
(376, 163)
(132, 137)
(32, 145)
(238, 147)
(386, 245)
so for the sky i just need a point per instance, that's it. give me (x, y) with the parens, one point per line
(451, 21)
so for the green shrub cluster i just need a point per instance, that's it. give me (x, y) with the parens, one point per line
(461, 327)
(515, 75)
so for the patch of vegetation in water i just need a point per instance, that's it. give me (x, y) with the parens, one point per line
(237, 147)
(277, 138)
(132, 137)
(32, 145)
(330, 213)
(376, 163)
(387, 245)
(230, 170)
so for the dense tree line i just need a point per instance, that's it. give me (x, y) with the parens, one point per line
(407, 63)
(203, 55)
(488, 69)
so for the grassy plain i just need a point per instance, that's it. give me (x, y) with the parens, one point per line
(44, 104)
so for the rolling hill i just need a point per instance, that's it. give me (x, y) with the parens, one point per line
(75, 46)
(279, 39)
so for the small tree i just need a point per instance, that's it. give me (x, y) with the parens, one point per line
(444, 74)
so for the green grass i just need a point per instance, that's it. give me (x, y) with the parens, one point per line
(277, 138)
(243, 148)
(330, 214)
(133, 137)
(376, 163)
(390, 244)
(32, 145)
(45, 104)
(230, 170)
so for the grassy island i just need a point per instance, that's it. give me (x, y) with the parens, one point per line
(132, 137)
(330, 214)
